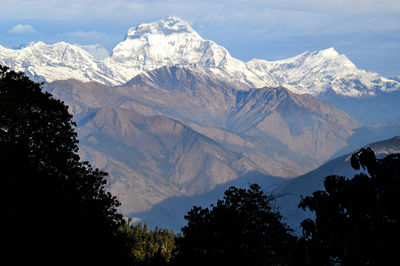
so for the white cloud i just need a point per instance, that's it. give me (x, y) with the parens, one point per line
(22, 29)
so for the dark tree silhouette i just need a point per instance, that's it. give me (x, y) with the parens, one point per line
(242, 229)
(55, 208)
(358, 220)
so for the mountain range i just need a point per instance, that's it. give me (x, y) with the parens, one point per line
(271, 131)
(171, 115)
(172, 41)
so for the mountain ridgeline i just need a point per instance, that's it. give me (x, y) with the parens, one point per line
(176, 131)
(152, 158)
(172, 41)
(171, 115)
(326, 74)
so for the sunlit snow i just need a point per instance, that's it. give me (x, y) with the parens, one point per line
(172, 41)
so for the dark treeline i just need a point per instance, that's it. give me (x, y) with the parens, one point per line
(56, 210)
(149, 247)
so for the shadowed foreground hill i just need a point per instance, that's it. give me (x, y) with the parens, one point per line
(169, 213)
(357, 220)
(314, 180)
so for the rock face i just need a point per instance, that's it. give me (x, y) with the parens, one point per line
(172, 41)
(295, 120)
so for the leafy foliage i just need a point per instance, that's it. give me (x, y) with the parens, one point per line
(358, 220)
(242, 229)
(55, 207)
(149, 247)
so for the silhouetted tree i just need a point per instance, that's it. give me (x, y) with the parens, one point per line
(242, 229)
(55, 208)
(357, 220)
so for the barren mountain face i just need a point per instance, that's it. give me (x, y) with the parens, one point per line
(152, 158)
(181, 131)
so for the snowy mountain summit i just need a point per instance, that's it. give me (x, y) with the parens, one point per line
(169, 42)
(166, 42)
(172, 41)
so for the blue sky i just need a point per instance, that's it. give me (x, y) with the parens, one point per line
(367, 31)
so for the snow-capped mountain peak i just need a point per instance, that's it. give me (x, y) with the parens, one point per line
(163, 35)
(312, 72)
(172, 41)
(330, 52)
(166, 26)
(330, 58)
(167, 42)
(59, 61)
